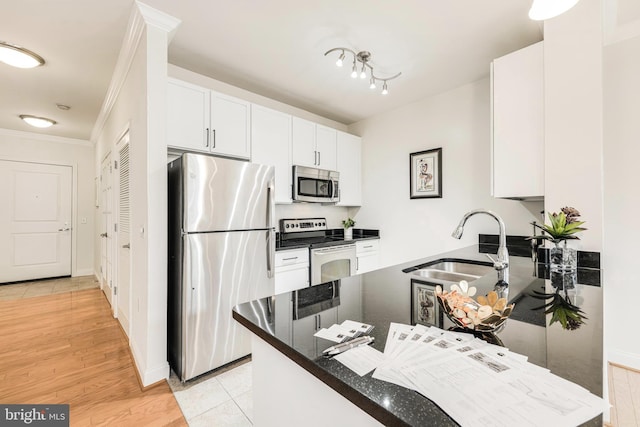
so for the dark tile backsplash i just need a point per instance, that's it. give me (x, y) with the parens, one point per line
(516, 245)
(588, 262)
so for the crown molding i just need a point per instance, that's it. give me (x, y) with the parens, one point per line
(42, 137)
(159, 19)
(141, 15)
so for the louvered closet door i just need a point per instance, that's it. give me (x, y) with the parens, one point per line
(124, 252)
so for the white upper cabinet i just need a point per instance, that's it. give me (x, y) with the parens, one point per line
(304, 143)
(187, 115)
(199, 119)
(313, 145)
(230, 126)
(518, 124)
(271, 145)
(326, 145)
(348, 158)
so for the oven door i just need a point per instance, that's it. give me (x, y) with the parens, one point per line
(332, 263)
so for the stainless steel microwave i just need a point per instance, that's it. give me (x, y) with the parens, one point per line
(315, 185)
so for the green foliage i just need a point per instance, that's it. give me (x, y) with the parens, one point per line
(561, 228)
(562, 311)
(348, 223)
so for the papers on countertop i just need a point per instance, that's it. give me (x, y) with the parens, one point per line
(475, 383)
(361, 360)
(343, 332)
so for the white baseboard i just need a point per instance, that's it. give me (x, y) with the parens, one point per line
(624, 358)
(84, 272)
(152, 375)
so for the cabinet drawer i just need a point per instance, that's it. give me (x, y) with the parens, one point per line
(364, 246)
(294, 256)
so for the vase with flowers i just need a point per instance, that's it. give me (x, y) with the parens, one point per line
(563, 226)
(348, 228)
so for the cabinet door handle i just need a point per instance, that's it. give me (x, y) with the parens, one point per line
(289, 259)
(315, 158)
(207, 132)
(318, 158)
(365, 247)
(357, 264)
(214, 139)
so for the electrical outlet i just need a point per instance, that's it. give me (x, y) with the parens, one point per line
(83, 220)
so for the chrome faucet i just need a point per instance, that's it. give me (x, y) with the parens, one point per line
(501, 264)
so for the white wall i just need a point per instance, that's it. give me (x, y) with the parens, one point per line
(621, 198)
(140, 107)
(458, 121)
(79, 154)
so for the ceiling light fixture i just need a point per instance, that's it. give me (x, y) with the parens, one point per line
(547, 9)
(363, 57)
(18, 56)
(39, 122)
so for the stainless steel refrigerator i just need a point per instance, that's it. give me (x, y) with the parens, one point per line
(221, 253)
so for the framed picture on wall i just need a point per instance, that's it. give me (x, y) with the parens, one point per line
(425, 174)
(425, 309)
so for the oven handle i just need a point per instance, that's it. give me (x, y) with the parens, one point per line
(333, 249)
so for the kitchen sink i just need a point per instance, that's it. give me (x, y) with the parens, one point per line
(451, 271)
(464, 268)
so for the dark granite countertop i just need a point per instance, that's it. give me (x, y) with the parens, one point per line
(337, 234)
(383, 296)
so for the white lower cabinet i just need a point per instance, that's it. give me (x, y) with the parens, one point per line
(367, 255)
(292, 270)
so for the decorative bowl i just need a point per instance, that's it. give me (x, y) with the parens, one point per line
(485, 314)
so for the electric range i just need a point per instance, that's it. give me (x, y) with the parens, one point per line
(312, 232)
(330, 256)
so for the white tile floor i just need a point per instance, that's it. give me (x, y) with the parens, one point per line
(220, 399)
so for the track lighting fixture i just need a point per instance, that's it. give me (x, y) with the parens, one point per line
(363, 57)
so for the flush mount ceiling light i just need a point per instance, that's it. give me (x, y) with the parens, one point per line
(547, 9)
(360, 66)
(18, 56)
(39, 122)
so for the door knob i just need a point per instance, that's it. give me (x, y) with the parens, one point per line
(127, 246)
(103, 235)
(64, 229)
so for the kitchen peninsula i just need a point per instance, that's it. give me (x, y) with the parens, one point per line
(295, 385)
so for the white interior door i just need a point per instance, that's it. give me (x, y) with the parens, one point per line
(35, 221)
(106, 252)
(123, 247)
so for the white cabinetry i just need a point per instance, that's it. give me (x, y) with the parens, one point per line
(292, 270)
(518, 124)
(199, 119)
(348, 162)
(271, 145)
(367, 255)
(313, 145)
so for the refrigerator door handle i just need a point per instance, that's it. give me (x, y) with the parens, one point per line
(271, 234)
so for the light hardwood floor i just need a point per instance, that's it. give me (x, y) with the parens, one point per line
(624, 393)
(67, 348)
